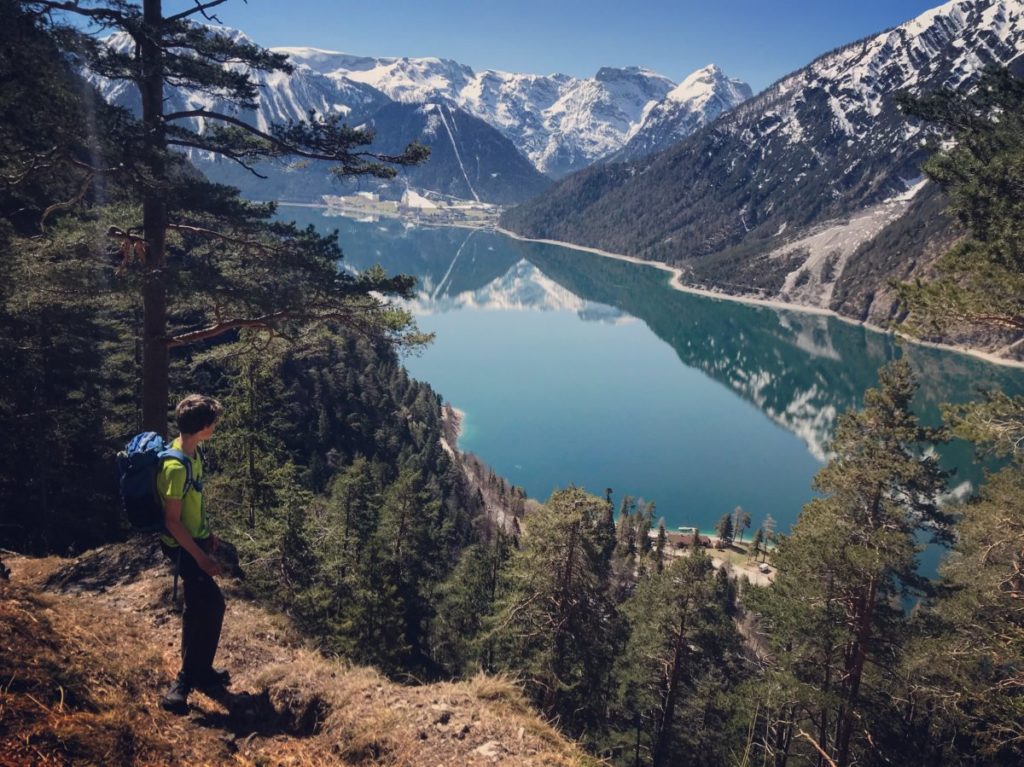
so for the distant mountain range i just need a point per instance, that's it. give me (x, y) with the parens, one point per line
(539, 126)
(784, 195)
(560, 123)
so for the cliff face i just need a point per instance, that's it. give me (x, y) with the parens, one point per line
(88, 646)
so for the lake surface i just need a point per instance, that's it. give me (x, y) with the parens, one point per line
(571, 368)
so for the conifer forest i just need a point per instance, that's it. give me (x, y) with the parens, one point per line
(128, 280)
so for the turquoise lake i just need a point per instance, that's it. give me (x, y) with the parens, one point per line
(571, 368)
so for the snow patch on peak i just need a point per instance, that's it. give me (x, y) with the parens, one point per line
(698, 100)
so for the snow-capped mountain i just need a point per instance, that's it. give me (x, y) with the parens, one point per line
(560, 123)
(698, 100)
(469, 158)
(523, 288)
(821, 145)
(282, 97)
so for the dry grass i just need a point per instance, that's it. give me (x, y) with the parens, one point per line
(70, 693)
(81, 673)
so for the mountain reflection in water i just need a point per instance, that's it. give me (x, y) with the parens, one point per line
(799, 370)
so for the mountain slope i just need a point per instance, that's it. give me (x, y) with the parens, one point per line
(468, 158)
(820, 144)
(89, 644)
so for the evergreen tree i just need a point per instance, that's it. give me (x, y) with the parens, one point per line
(644, 522)
(755, 546)
(973, 638)
(740, 522)
(554, 625)
(606, 536)
(724, 529)
(659, 547)
(68, 372)
(768, 525)
(965, 677)
(680, 648)
(466, 597)
(833, 613)
(980, 281)
(205, 262)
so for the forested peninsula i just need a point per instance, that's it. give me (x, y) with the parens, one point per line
(391, 600)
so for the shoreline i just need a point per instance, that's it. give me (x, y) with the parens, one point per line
(359, 213)
(676, 282)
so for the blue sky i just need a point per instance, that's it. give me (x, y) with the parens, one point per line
(757, 41)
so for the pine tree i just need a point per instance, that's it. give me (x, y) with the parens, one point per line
(755, 546)
(964, 669)
(740, 522)
(659, 547)
(606, 535)
(554, 624)
(679, 634)
(67, 354)
(980, 281)
(966, 666)
(466, 597)
(833, 612)
(768, 525)
(724, 529)
(204, 261)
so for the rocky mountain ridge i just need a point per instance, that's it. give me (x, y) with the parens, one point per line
(697, 101)
(560, 123)
(730, 203)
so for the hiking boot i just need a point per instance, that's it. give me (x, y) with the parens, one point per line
(212, 679)
(175, 699)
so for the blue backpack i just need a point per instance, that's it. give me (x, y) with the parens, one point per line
(138, 466)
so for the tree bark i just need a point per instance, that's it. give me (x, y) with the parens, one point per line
(155, 365)
(855, 674)
(664, 734)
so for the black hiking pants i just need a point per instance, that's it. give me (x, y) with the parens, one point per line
(203, 615)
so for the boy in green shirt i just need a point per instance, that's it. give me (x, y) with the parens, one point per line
(188, 542)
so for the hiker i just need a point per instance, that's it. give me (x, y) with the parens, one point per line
(189, 544)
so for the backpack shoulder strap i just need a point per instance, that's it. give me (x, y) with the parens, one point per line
(180, 457)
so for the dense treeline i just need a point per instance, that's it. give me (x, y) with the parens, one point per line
(331, 475)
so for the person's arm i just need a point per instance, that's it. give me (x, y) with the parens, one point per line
(172, 521)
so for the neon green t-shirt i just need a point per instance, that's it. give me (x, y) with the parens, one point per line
(170, 483)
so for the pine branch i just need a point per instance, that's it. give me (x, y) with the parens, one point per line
(285, 146)
(222, 236)
(351, 320)
(100, 14)
(68, 204)
(200, 8)
(224, 152)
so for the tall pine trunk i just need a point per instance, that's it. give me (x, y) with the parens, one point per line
(155, 366)
(663, 736)
(855, 672)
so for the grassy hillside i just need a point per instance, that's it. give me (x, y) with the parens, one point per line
(89, 644)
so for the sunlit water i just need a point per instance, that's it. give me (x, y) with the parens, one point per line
(576, 369)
